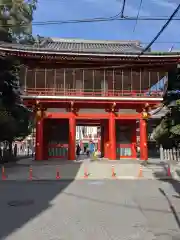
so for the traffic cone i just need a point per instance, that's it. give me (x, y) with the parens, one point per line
(140, 172)
(3, 173)
(57, 174)
(30, 173)
(113, 172)
(169, 171)
(86, 174)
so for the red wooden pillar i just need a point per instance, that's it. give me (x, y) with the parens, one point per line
(105, 139)
(143, 140)
(134, 137)
(45, 140)
(102, 140)
(72, 138)
(39, 140)
(112, 137)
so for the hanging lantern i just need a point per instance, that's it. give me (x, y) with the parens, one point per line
(38, 113)
(145, 114)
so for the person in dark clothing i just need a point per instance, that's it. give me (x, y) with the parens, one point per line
(85, 149)
(15, 150)
(78, 150)
(87, 152)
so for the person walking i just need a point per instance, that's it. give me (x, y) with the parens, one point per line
(78, 150)
(92, 149)
(15, 150)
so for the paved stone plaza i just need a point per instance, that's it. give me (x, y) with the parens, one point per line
(124, 169)
(86, 210)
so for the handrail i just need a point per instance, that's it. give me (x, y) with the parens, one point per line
(99, 90)
(90, 92)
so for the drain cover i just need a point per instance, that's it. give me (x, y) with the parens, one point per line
(19, 203)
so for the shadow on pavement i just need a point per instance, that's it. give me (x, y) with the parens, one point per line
(156, 163)
(164, 173)
(162, 176)
(178, 172)
(22, 201)
(173, 210)
(42, 170)
(175, 184)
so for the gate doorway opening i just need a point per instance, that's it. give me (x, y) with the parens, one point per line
(88, 136)
(111, 141)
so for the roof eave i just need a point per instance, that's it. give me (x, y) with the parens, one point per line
(125, 54)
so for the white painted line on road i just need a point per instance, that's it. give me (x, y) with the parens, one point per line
(96, 182)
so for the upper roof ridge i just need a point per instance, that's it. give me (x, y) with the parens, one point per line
(77, 40)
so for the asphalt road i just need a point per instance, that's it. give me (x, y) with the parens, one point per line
(86, 210)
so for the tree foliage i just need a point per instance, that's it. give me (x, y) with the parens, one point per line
(168, 131)
(15, 118)
(16, 20)
(15, 26)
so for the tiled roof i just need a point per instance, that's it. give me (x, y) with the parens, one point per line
(59, 46)
(87, 46)
(159, 112)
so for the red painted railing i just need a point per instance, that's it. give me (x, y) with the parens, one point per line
(90, 93)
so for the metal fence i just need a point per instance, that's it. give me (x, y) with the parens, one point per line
(170, 155)
(8, 153)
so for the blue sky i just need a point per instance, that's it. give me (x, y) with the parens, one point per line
(48, 10)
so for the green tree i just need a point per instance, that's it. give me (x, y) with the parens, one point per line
(16, 20)
(168, 131)
(15, 26)
(15, 118)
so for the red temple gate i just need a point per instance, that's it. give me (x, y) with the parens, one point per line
(105, 85)
(56, 136)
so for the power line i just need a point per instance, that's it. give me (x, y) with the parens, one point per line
(115, 18)
(162, 42)
(86, 20)
(123, 8)
(139, 9)
(60, 22)
(93, 20)
(145, 18)
(162, 29)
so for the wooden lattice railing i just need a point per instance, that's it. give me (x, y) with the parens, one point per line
(90, 92)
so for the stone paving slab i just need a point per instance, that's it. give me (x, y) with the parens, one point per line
(78, 170)
(159, 170)
(124, 169)
(86, 210)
